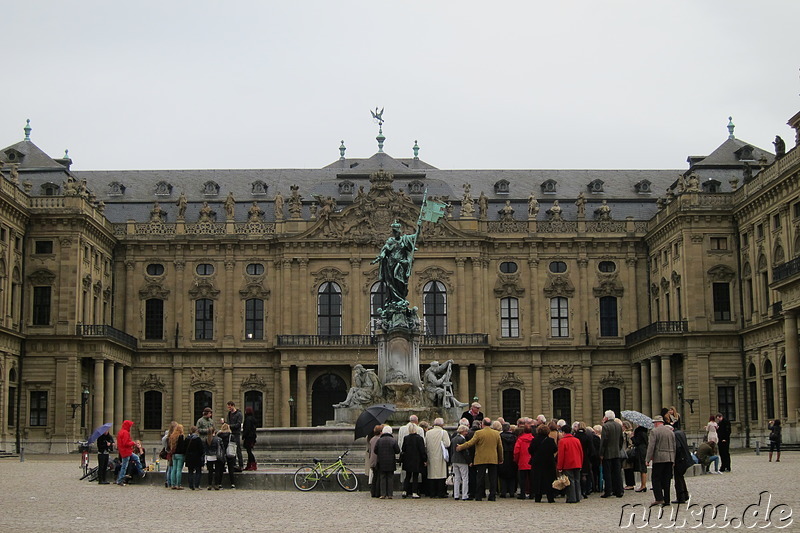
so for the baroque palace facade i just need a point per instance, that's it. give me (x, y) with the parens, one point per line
(151, 294)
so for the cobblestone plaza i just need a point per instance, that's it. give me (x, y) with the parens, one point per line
(44, 494)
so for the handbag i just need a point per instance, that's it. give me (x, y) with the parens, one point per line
(163, 453)
(449, 481)
(561, 482)
(230, 451)
(445, 453)
(631, 453)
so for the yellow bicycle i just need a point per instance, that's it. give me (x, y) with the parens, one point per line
(308, 476)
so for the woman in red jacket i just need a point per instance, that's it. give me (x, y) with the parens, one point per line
(570, 461)
(522, 457)
(125, 445)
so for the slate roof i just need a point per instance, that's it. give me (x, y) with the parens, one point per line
(619, 187)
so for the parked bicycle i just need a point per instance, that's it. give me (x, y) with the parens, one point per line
(86, 471)
(308, 476)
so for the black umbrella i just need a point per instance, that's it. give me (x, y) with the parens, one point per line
(371, 417)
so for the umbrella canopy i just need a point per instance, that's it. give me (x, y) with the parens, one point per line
(371, 417)
(640, 419)
(99, 431)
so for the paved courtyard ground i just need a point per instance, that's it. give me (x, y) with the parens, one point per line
(43, 494)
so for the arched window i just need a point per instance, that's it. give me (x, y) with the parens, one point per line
(562, 405)
(608, 317)
(329, 309)
(763, 273)
(254, 319)
(434, 309)
(769, 391)
(559, 317)
(153, 407)
(203, 319)
(509, 317)
(327, 390)
(512, 405)
(782, 378)
(255, 399)
(612, 400)
(202, 399)
(154, 319)
(377, 299)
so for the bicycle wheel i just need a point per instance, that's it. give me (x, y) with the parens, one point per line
(85, 470)
(306, 478)
(93, 473)
(347, 479)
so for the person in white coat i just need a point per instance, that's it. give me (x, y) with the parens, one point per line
(436, 440)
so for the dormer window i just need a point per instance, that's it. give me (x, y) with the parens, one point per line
(596, 186)
(14, 156)
(416, 187)
(501, 187)
(745, 153)
(50, 189)
(116, 188)
(711, 186)
(346, 187)
(643, 187)
(163, 188)
(211, 188)
(259, 188)
(549, 187)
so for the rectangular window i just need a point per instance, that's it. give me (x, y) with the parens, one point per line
(38, 408)
(154, 319)
(559, 317)
(796, 210)
(784, 404)
(678, 303)
(760, 231)
(753, 393)
(608, 317)
(509, 317)
(776, 222)
(722, 301)
(12, 406)
(254, 319)
(204, 319)
(719, 243)
(745, 240)
(726, 401)
(43, 247)
(152, 410)
(769, 398)
(41, 306)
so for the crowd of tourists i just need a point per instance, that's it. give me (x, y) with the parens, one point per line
(213, 444)
(539, 459)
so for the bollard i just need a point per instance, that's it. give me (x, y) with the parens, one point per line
(22, 455)
(758, 447)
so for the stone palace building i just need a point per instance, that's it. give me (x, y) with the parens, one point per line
(149, 295)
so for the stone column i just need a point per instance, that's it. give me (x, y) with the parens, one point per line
(359, 320)
(637, 387)
(285, 393)
(702, 385)
(461, 299)
(227, 387)
(534, 300)
(118, 397)
(666, 382)
(99, 392)
(108, 397)
(128, 394)
(177, 393)
(61, 401)
(792, 365)
(474, 320)
(228, 296)
(586, 383)
(306, 325)
(655, 387)
(286, 289)
(645, 369)
(131, 301)
(463, 383)
(480, 386)
(536, 391)
(302, 397)
(180, 310)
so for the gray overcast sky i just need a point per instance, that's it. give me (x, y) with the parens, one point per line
(509, 84)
